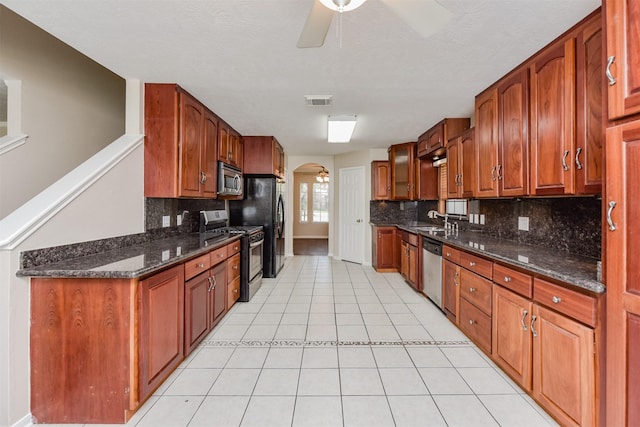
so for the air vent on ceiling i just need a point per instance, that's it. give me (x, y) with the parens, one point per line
(318, 100)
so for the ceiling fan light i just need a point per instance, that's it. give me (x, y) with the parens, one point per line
(340, 128)
(342, 5)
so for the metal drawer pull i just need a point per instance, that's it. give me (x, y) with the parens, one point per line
(533, 329)
(471, 322)
(448, 254)
(235, 267)
(210, 284)
(524, 316)
(612, 79)
(578, 164)
(507, 279)
(235, 291)
(472, 290)
(499, 172)
(612, 226)
(556, 300)
(203, 177)
(493, 176)
(564, 160)
(200, 265)
(471, 264)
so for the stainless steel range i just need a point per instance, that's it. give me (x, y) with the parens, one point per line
(214, 223)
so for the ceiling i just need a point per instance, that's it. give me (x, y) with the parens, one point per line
(239, 57)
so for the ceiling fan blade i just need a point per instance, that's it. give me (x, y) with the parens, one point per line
(317, 25)
(426, 17)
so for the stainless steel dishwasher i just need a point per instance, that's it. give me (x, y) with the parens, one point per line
(432, 270)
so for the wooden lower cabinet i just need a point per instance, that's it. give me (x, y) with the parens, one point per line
(450, 289)
(217, 295)
(564, 367)
(384, 248)
(233, 280)
(196, 307)
(409, 255)
(161, 345)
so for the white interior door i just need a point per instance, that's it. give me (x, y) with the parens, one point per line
(352, 204)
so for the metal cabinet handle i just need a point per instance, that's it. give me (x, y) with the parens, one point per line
(235, 267)
(612, 226)
(471, 263)
(564, 160)
(454, 279)
(215, 282)
(533, 329)
(235, 291)
(448, 254)
(556, 300)
(472, 290)
(610, 61)
(210, 284)
(499, 170)
(507, 279)
(493, 175)
(471, 321)
(203, 177)
(200, 265)
(524, 316)
(578, 164)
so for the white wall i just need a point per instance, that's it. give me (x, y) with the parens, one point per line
(71, 108)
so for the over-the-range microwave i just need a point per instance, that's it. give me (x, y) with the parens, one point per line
(229, 180)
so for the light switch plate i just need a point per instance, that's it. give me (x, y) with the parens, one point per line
(482, 219)
(179, 220)
(166, 220)
(523, 223)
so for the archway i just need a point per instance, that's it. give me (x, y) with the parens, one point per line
(311, 207)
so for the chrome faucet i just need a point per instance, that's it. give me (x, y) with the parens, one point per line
(435, 214)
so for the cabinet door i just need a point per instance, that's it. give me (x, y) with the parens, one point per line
(191, 126)
(404, 259)
(235, 149)
(161, 327)
(623, 47)
(589, 123)
(436, 137)
(412, 273)
(401, 159)
(552, 120)
(385, 247)
(467, 162)
(427, 180)
(511, 337)
(513, 128)
(196, 297)
(380, 180)
(563, 367)
(486, 143)
(217, 296)
(622, 267)
(224, 150)
(453, 172)
(210, 155)
(450, 289)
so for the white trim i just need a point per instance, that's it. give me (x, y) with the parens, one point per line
(9, 142)
(25, 220)
(311, 237)
(25, 421)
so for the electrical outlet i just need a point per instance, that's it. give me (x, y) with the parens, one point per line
(482, 218)
(166, 220)
(179, 220)
(523, 223)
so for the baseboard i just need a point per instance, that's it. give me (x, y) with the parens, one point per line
(23, 422)
(310, 237)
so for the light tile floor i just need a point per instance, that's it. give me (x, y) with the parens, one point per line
(330, 343)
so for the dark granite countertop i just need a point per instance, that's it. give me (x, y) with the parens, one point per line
(130, 262)
(573, 269)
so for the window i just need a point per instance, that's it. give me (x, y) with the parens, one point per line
(10, 122)
(304, 202)
(320, 202)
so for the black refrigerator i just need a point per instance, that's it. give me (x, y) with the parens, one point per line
(263, 204)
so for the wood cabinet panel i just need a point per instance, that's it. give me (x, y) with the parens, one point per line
(209, 154)
(233, 292)
(573, 304)
(513, 129)
(218, 255)
(475, 324)
(384, 249)
(564, 381)
(217, 295)
(426, 180)
(380, 180)
(191, 134)
(161, 327)
(233, 248)
(516, 281)
(196, 306)
(623, 47)
(196, 266)
(486, 143)
(553, 120)
(433, 141)
(233, 267)
(453, 169)
(476, 289)
(450, 289)
(511, 341)
(263, 155)
(451, 254)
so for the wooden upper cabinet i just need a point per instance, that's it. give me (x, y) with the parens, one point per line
(426, 180)
(513, 134)
(380, 180)
(263, 155)
(229, 146)
(486, 143)
(402, 174)
(460, 166)
(553, 120)
(236, 149)
(590, 121)
(623, 52)
(180, 144)
(224, 149)
(434, 140)
(453, 169)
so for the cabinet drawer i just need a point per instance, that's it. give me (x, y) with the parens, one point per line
(516, 281)
(476, 264)
(410, 238)
(451, 254)
(233, 292)
(476, 289)
(573, 304)
(196, 266)
(233, 248)
(218, 255)
(233, 267)
(475, 324)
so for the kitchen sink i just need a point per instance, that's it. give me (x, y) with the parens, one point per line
(429, 229)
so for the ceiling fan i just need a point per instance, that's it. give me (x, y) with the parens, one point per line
(425, 17)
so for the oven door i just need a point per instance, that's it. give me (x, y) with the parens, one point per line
(255, 258)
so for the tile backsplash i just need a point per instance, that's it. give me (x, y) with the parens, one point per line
(156, 208)
(567, 224)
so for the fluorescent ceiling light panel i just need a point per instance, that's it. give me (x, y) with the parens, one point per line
(341, 128)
